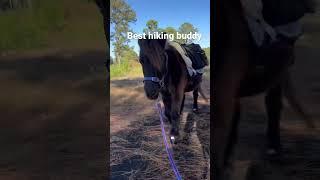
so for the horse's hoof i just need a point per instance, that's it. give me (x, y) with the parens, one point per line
(273, 154)
(173, 140)
(174, 135)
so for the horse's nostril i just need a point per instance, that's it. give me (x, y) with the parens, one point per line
(152, 95)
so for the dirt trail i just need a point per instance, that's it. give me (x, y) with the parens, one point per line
(137, 149)
(53, 116)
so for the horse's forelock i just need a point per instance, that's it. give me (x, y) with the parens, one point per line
(153, 49)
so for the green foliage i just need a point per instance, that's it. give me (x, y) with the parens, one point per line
(171, 30)
(51, 24)
(120, 17)
(28, 28)
(207, 51)
(50, 15)
(13, 4)
(125, 69)
(129, 65)
(119, 70)
(186, 28)
(152, 25)
(18, 30)
(129, 55)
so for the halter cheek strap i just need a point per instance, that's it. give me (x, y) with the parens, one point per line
(156, 79)
(153, 79)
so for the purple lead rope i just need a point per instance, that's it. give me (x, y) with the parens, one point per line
(173, 165)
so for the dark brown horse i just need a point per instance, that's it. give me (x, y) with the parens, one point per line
(165, 72)
(235, 75)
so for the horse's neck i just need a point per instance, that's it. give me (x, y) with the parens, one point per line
(175, 60)
(176, 68)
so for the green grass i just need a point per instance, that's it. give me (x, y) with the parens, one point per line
(125, 69)
(52, 24)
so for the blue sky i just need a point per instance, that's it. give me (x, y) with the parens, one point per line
(171, 13)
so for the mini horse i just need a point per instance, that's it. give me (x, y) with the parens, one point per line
(165, 72)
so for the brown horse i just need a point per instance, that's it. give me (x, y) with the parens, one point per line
(235, 75)
(165, 72)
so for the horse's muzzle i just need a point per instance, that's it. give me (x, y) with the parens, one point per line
(151, 89)
(152, 96)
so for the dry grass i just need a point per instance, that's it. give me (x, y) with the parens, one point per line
(146, 143)
(136, 147)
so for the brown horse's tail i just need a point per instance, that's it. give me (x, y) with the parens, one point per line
(290, 95)
(202, 94)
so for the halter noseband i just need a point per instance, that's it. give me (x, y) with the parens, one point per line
(152, 78)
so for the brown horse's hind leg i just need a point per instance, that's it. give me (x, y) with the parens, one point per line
(273, 102)
(182, 104)
(195, 100)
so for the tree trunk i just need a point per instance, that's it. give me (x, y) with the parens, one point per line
(10, 4)
(28, 3)
(118, 60)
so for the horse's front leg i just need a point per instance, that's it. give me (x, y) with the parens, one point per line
(273, 102)
(227, 81)
(176, 101)
(166, 99)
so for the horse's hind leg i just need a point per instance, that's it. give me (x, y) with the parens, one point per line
(195, 99)
(273, 101)
(182, 104)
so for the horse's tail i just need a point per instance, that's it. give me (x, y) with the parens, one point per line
(202, 94)
(291, 96)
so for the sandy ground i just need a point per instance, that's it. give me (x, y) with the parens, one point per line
(137, 150)
(53, 116)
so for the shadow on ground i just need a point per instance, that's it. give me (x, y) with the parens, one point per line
(53, 116)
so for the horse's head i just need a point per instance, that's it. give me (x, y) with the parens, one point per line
(153, 61)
